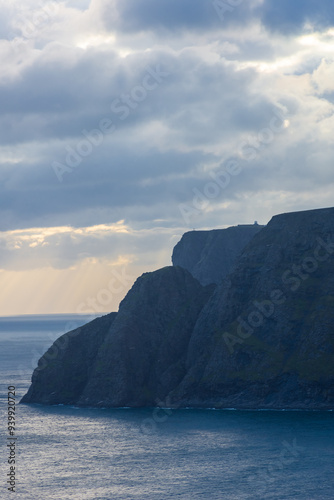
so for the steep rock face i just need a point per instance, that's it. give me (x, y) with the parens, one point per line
(143, 356)
(140, 357)
(263, 338)
(266, 337)
(210, 255)
(64, 370)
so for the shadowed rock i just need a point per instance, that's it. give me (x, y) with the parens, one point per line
(263, 338)
(64, 370)
(210, 255)
(134, 358)
(266, 337)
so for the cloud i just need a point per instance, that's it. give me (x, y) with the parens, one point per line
(323, 77)
(152, 157)
(172, 15)
(66, 247)
(291, 17)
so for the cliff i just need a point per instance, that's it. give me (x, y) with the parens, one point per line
(129, 359)
(65, 369)
(210, 255)
(269, 327)
(262, 338)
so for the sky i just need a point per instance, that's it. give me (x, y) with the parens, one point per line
(125, 123)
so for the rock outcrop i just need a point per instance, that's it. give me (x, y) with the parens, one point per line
(132, 358)
(65, 369)
(262, 338)
(210, 255)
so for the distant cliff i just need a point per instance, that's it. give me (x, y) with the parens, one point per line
(211, 255)
(262, 338)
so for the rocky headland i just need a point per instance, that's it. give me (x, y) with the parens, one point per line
(244, 319)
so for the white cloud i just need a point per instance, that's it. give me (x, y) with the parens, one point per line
(323, 77)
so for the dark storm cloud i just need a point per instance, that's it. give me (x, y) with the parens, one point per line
(290, 16)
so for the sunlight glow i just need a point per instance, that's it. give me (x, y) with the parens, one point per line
(322, 42)
(309, 40)
(37, 236)
(96, 41)
(73, 290)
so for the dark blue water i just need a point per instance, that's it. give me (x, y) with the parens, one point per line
(69, 453)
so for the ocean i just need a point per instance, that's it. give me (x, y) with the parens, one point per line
(135, 454)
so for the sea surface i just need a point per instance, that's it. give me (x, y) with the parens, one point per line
(146, 454)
